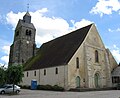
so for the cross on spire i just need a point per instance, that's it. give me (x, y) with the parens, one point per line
(28, 7)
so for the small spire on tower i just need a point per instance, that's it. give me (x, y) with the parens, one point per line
(27, 16)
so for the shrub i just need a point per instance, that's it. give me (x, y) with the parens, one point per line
(57, 88)
(49, 87)
(41, 87)
(118, 86)
(44, 87)
(25, 87)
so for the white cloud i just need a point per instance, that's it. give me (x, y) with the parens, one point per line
(5, 58)
(116, 30)
(82, 23)
(4, 52)
(6, 49)
(13, 18)
(106, 7)
(116, 53)
(43, 10)
(47, 28)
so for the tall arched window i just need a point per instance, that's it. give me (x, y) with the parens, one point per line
(96, 56)
(27, 74)
(27, 32)
(56, 71)
(34, 73)
(44, 72)
(77, 62)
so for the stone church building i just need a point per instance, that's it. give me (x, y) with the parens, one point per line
(78, 59)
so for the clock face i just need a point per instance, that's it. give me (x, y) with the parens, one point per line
(27, 42)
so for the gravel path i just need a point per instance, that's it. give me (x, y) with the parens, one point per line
(52, 94)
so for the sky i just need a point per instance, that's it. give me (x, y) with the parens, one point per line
(54, 18)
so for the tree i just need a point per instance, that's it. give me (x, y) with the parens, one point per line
(2, 76)
(14, 74)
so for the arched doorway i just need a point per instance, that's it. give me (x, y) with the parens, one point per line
(77, 82)
(97, 80)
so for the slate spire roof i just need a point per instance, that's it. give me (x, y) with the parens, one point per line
(26, 21)
(58, 51)
(27, 14)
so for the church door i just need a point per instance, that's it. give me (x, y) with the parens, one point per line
(97, 80)
(78, 82)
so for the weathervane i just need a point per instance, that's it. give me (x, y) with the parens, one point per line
(28, 7)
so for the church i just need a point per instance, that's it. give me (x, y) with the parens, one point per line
(78, 59)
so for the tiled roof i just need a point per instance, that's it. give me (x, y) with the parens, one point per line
(58, 51)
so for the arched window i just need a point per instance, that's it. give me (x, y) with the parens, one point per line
(96, 56)
(34, 73)
(56, 71)
(44, 72)
(27, 33)
(27, 74)
(77, 62)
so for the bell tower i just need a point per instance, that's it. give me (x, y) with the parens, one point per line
(23, 46)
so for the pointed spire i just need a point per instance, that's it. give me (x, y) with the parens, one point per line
(27, 16)
(27, 13)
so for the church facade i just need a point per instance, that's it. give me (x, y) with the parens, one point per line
(78, 59)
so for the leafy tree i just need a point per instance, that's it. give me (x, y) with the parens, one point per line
(2, 76)
(14, 74)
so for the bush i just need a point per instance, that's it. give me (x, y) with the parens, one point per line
(118, 86)
(49, 87)
(44, 87)
(25, 86)
(57, 88)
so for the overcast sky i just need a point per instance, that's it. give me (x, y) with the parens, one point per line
(53, 18)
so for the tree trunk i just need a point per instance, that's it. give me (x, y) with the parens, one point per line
(13, 88)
